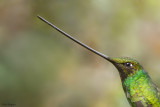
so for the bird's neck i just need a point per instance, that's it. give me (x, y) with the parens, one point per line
(141, 73)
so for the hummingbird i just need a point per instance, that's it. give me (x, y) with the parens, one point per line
(138, 87)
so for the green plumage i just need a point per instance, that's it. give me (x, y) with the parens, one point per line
(138, 86)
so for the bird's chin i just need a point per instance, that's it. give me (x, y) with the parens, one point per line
(121, 72)
(119, 68)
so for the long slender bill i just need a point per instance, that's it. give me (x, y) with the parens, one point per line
(75, 40)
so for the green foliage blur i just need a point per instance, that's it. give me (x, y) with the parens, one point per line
(39, 67)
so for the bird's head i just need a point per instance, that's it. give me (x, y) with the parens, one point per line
(126, 66)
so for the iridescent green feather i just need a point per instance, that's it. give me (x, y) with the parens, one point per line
(138, 86)
(141, 88)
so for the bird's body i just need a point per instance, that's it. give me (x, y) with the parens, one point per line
(140, 90)
(137, 84)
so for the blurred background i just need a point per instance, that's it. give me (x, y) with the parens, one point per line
(39, 67)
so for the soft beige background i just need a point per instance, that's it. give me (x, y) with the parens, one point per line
(41, 68)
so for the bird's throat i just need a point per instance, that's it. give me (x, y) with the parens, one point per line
(127, 81)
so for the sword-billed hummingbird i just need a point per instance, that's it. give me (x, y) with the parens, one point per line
(137, 84)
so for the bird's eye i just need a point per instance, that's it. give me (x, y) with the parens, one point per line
(128, 64)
